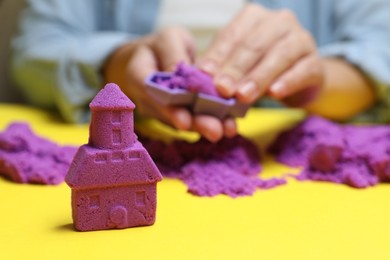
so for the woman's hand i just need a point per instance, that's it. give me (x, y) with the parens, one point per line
(265, 52)
(130, 64)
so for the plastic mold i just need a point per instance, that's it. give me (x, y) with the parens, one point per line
(165, 95)
(157, 85)
(216, 106)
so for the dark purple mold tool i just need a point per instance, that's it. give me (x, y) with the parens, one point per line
(158, 88)
(188, 86)
(238, 109)
(212, 105)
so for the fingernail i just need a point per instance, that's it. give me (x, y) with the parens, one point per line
(277, 88)
(247, 89)
(208, 67)
(224, 83)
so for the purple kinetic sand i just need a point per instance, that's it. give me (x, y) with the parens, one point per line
(358, 156)
(113, 179)
(316, 135)
(28, 158)
(229, 167)
(189, 78)
(191, 87)
(355, 173)
(160, 87)
(373, 144)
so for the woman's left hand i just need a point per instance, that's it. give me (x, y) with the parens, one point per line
(263, 52)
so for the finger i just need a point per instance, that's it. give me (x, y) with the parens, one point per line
(278, 60)
(228, 37)
(208, 126)
(233, 71)
(230, 127)
(307, 72)
(173, 45)
(145, 56)
(303, 97)
(179, 118)
(250, 51)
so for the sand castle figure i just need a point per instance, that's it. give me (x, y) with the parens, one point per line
(113, 178)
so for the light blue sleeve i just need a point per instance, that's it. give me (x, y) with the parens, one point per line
(58, 54)
(362, 36)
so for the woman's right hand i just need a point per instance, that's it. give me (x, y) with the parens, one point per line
(130, 64)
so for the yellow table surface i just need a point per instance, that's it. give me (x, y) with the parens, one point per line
(300, 220)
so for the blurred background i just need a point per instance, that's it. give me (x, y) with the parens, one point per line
(9, 12)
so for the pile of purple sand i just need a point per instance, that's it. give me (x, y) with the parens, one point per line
(358, 156)
(189, 78)
(28, 158)
(229, 167)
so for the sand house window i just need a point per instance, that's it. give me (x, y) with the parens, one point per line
(116, 136)
(94, 201)
(101, 158)
(116, 117)
(140, 198)
(134, 155)
(117, 157)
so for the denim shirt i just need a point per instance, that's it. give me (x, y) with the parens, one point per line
(62, 45)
